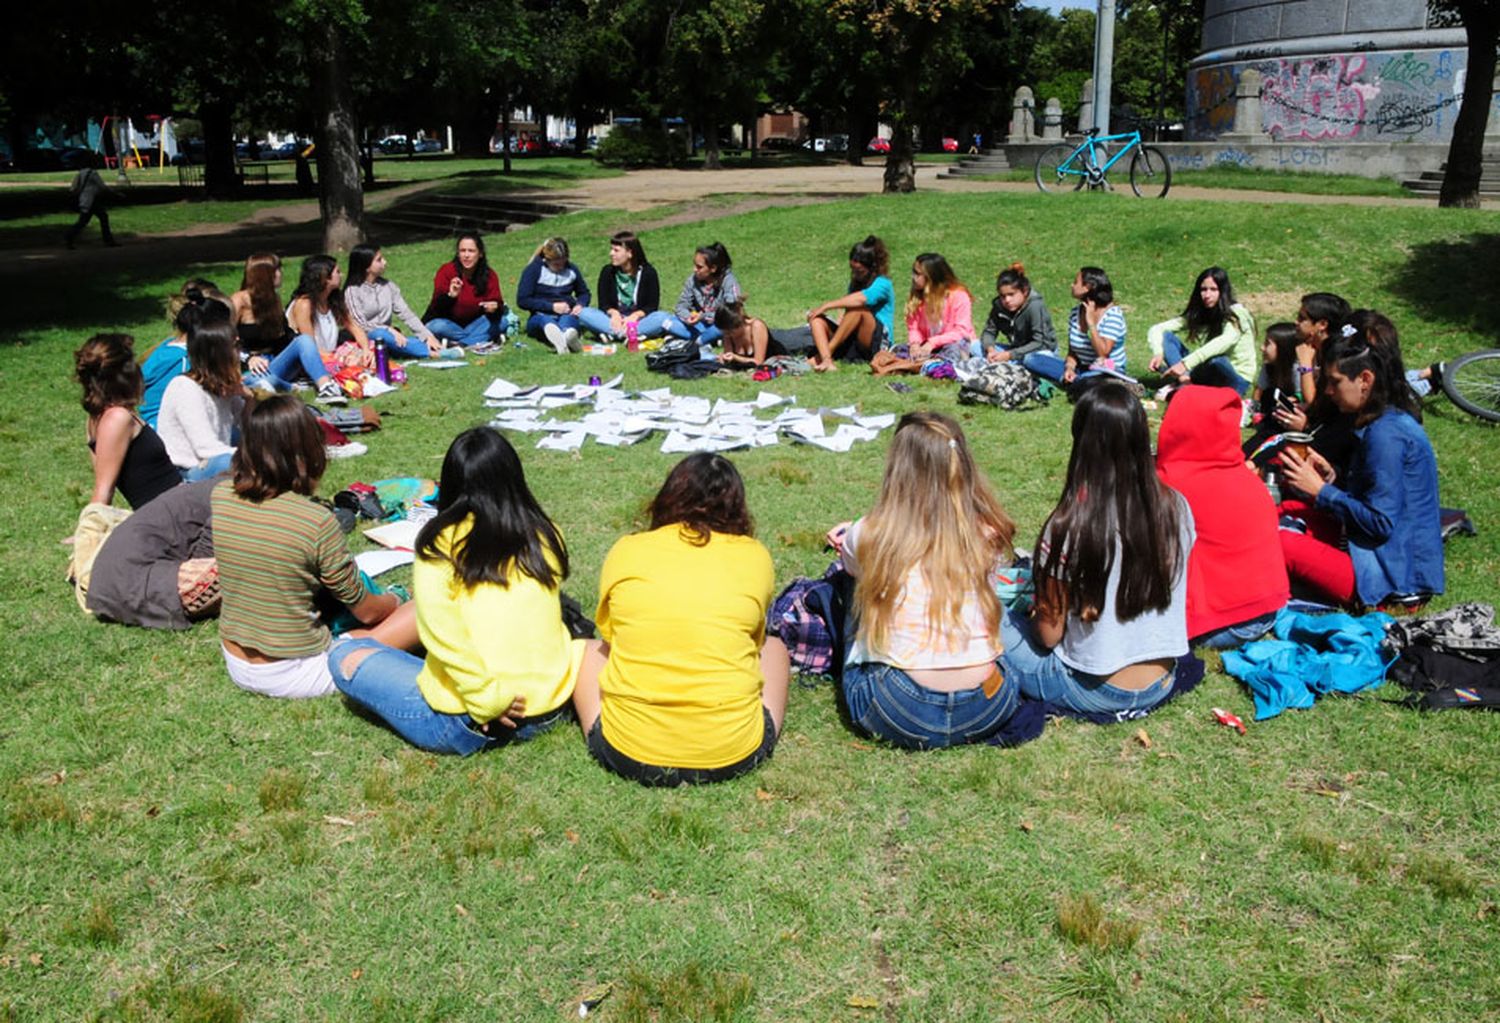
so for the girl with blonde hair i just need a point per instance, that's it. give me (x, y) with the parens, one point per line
(923, 667)
(553, 291)
(939, 308)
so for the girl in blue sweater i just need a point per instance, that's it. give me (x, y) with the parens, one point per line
(552, 289)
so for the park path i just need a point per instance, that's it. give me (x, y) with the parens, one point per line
(292, 227)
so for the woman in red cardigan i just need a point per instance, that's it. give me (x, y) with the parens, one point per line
(466, 304)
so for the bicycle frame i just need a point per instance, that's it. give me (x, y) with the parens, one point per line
(1091, 164)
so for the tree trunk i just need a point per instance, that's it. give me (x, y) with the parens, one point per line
(854, 124)
(711, 159)
(474, 126)
(505, 131)
(341, 198)
(219, 178)
(1466, 149)
(581, 121)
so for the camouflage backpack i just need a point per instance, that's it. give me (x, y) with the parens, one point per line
(1006, 385)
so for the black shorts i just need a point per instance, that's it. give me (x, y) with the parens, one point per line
(852, 352)
(669, 777)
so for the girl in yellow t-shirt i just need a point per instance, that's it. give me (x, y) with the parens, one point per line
(500, 663)
(685, 687)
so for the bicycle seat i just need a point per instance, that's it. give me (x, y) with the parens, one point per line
(1092, 131)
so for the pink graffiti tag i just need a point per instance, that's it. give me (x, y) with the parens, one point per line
(1316, 99)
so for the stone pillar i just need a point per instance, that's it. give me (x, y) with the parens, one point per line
(1086, 106)
(1492, 126)
(1246, 107)
(1052, 120)
(1023, 116)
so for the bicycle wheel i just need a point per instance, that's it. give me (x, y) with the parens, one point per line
(1150, 173)
(1472, 382)
(1056, 171)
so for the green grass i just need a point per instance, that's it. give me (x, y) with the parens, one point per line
(176, 849)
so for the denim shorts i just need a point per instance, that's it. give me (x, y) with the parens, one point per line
(886, 703)
(667, 777)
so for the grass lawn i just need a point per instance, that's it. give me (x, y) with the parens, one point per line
(179, 850)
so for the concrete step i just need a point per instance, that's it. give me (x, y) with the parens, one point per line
(448, 215)
(1417, 186)
(437, 226)
(1488, 176)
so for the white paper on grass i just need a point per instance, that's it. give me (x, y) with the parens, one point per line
(373, 563)
(374, 387)
(765, 399)
(877, 422)
(519, 425)
(398, 535)
(807, 427)
(441, 363)
(571, 441)
(500, 388)
(620, 440)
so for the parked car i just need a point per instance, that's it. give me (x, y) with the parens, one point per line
(287, 150)
(878, 145)
(950, 144)
(827, 144)
(778, 142)
(428, 146)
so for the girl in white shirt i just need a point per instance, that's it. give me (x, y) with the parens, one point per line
(200, 410)
(922, 670)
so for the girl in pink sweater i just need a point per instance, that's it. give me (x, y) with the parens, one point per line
(939, 310)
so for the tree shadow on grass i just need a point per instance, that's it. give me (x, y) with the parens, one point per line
(1453, 281)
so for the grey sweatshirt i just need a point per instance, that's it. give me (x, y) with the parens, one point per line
(1029, 330)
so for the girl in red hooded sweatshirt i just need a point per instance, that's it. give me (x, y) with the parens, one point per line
(1235, 582)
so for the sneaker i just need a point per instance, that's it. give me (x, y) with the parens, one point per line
(483, 348)
(353, 449)
(556, 338)
(1165, 391)
(452, 352)
(332, 394)
(570, 337)
(1247, 410)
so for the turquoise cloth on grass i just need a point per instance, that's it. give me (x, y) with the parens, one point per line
(1310, 656)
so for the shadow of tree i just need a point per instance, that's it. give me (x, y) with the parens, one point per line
(1453, 281)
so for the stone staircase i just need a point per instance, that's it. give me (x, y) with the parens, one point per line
(1430, 183)
(989, 161)
(445, 216)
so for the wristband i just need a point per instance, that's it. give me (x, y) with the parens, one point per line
(1302, 371)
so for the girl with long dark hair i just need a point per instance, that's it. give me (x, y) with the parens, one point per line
(1109, 620)
(466, 305)
(200, 410)
(1374, 535)
(867, 320)
(375, 302)
(318, 317)
(712, 284)
(685, 687)
(1211, 343)
(500, 664)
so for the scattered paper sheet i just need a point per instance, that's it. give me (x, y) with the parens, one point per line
(374, 563)
(374, 387)
(398, 535)
(441, 363)
(570, 441)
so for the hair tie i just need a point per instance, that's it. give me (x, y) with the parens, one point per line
(1349, 330)
(952, 444)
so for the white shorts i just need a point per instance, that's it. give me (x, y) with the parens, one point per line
(294, 678)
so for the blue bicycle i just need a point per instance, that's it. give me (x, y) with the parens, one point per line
(1063, 168)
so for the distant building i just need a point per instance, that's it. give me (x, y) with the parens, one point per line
(1333, 71)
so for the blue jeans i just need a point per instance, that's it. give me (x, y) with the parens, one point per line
(1043, 676)
(1232, 636)
(536, 321)
(385, 685)
(300, 358)
(886, 703)
(702, 332)
(218, 465)
(1215, 372)
(1050, 366)
(648, 326)
(479, 330)
(415, 347)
